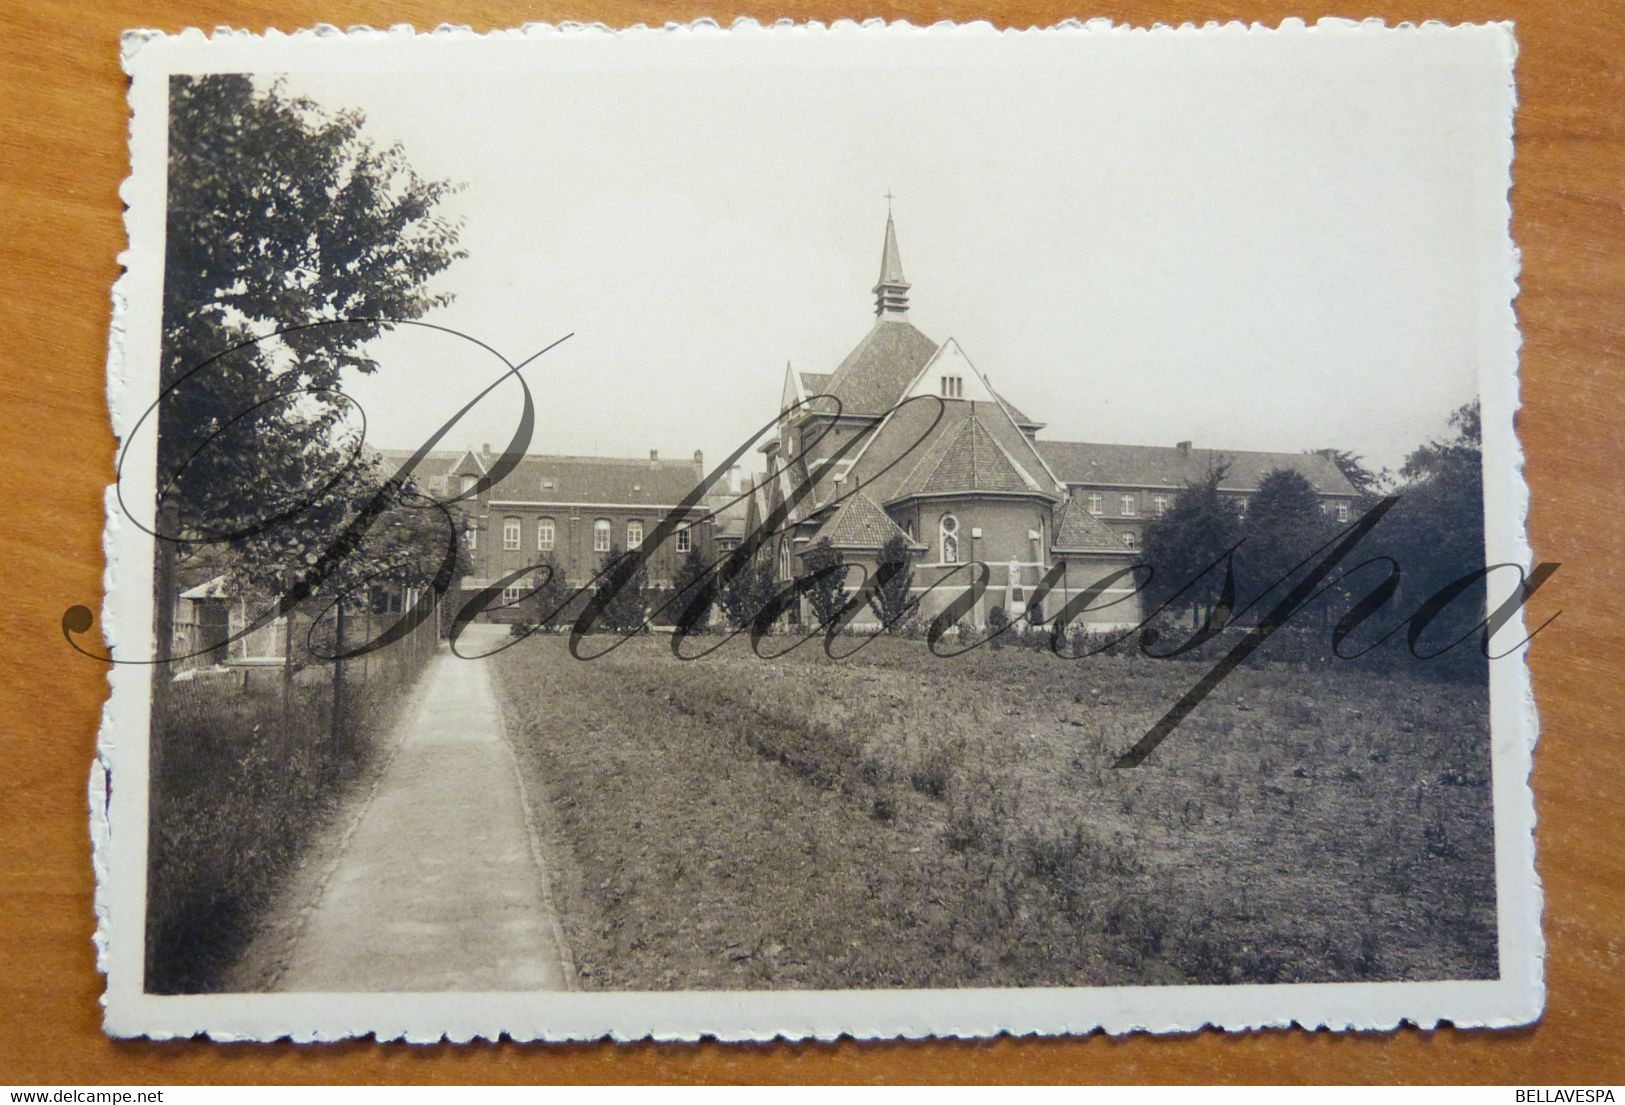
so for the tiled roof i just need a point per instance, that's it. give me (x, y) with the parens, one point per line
(858, 524)
(887, 478)
(436, 464)
(1074, 529)
(874, 375)
(1086, 463)
(634, 481)
(966, 460)
(816, 383)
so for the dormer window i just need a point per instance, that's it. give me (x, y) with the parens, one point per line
(953, 387)
(469, 483)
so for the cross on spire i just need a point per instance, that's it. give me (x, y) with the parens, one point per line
(889, 198)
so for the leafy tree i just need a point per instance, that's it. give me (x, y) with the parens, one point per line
(1436, 530)
(891, 600)
(628, 608)
(827, 594)
(747, 587)
(693, 593)
(1185, 541)
(282, 215)
(1283, 526)
(546, 600)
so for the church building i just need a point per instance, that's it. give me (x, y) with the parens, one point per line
(978, 484)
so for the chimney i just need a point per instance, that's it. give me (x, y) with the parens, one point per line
(654, 456)
(699, 458)
(485, 449)
(1184, 447)
(736, 479)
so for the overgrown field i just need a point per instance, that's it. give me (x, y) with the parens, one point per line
(898, 820)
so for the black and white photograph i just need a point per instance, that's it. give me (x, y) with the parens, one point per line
(801, 531)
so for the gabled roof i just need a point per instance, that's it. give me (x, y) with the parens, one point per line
(816, 383)
(436, 464)
(858, 523)
(876, 374)
(1086, 463)
(967, 460)
(1074, 529)
(564, 480)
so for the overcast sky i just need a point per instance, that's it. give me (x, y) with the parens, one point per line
(1138, 239)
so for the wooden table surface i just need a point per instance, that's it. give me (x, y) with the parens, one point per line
(64, 126)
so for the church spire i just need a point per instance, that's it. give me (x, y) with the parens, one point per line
(891, 290)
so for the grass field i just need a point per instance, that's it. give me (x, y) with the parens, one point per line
(899, 820)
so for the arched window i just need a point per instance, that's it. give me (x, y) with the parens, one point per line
(1131, 539)
(949, 528)
(600, 535)
(510, 534)
(634, 533)
(544, 535)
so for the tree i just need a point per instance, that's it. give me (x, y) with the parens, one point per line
(546, 600)
(1283, 526)
(627, 609)
(693, 593)
(892, 600)
(283, 217)
(747, 587)
(1436, 530)
(827, 569)
(1184, 542)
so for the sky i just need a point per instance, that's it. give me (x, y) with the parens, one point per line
(1138, 239)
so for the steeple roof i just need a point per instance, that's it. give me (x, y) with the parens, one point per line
(891, 290)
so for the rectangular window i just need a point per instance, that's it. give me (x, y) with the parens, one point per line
(1130, 505)
(1159, 503)
(1342, 512)
(473, 538)
(544, 535)
(953, 387)
(1096, 504)
(512, 592)
(684, 540)
(600, 535)
(510, 534)
(634, 534)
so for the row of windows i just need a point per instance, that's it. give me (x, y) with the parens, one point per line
(1128, 506)
(547, 535)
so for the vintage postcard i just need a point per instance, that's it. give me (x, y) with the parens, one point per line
(799, 530)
